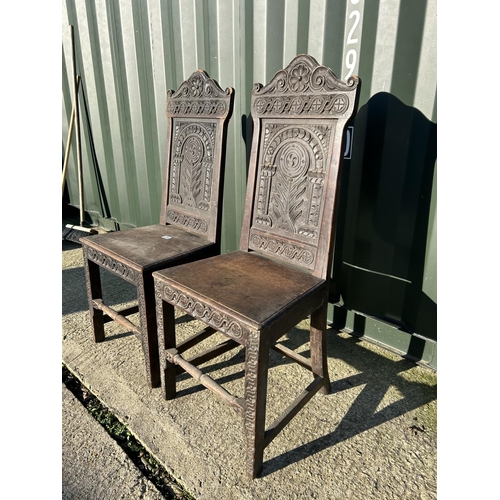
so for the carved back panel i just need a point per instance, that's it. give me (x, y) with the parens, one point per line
(197, 115)
(299, 119)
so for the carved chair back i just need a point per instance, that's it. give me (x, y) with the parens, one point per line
(195, 142)
(299, 118)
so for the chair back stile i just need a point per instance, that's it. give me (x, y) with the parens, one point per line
(299, 119)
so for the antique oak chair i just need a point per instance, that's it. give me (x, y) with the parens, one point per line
(189, 226)
(279, 276)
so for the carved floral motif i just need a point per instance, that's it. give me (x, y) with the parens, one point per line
(299, 77)
(303, 88)
(199, 95)
(199, 84)
(305, 75)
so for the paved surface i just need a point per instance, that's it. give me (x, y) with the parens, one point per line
(94, 466)
(373, 437)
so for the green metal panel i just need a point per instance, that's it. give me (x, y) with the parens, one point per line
(129, 53)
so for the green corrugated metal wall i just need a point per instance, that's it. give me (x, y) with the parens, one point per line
(130, 52)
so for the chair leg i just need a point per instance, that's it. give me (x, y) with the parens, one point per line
(166, 340)
(94, 291)
(256, 371)
(149, 335)
(319, 361)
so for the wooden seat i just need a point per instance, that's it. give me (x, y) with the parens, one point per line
(279, 276)
(189, 227)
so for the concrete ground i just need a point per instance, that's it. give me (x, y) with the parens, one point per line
(373, 437)
(94, 465)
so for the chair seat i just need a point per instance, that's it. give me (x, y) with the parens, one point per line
(147, 248)
(232, 284)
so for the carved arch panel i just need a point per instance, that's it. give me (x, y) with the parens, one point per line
(290, 190)
(192, 174)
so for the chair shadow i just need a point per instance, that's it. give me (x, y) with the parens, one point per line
(376, 373)
(385, 208)
(117, 336)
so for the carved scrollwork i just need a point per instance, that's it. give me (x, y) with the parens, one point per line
(199, 85)
(202, 311)
(334, 104)
(303, 88)
(282, 248)
(304, 75)
(194, 223)
(112, 265)
(323, 78)
(198, 95)
(198, 107)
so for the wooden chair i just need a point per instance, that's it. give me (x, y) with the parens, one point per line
(189, 227)
(279, 276)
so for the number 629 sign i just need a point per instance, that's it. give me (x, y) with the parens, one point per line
(353, 26)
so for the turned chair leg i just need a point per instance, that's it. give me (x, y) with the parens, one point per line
(94, 291)
(256, 372)
(319, 361)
